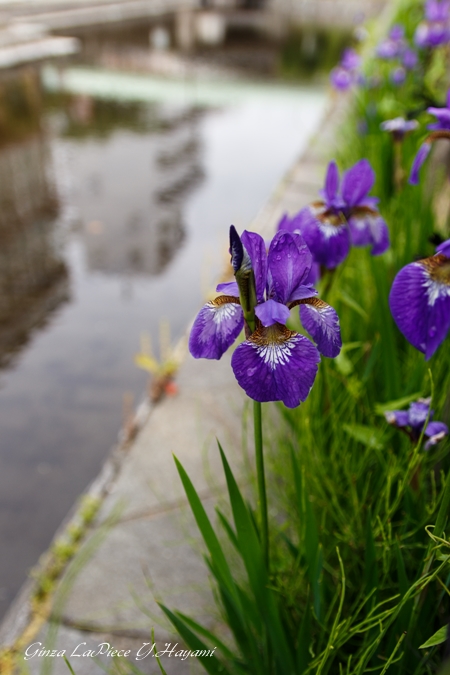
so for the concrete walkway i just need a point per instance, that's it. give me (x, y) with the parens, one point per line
(152, 550)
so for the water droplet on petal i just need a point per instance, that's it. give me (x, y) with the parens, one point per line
(432, 331)
(278, 257)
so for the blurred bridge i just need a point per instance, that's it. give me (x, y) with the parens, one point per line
(36, 29)
(65, 14)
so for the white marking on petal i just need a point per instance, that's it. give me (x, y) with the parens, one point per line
(224, 312)
(433, 288)
(275, 354)
(329, 230)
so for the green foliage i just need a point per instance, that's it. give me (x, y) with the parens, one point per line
(359, 568)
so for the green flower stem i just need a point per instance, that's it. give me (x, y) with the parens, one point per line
(261, 481)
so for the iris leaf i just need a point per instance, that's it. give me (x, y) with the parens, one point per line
(437, 639)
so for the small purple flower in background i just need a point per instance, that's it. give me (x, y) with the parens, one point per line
(342, 218)
(393, 46)
(397, 75)
(345, 74)
(273, 363)
(413, 420)
(440, 129)
(399, 127)
(420, 300)
(409, 59)
(434, 31)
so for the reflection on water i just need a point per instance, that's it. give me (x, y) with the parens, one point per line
(114, 215)
(33, 276)
(131, 189)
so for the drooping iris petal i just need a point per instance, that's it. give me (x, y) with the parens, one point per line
(271, 312)
(398, 418)
(216, 327)
(443, 118)
(256, 247)
(418, 413)
(327, 236)
(368, 228)
(435, 432)
(419, 159)
(276, 364)
(322, 323)
(420, 302)
(357, 182)
(228, 288)
(289, 262)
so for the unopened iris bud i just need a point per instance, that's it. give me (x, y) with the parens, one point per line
(245, 278)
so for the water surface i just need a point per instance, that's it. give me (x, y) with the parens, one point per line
(117, 192)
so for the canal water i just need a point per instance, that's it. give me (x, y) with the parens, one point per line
(117, 190)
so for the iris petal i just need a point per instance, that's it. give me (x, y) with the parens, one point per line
(322, 323)
(326, 235)
(256, 248)
(357, 182)
(331, 183)
(289, 264)
(398, 418)
(275, 364)
(216, 327)
(418, 413)
(229, 288)
(368, 228)
(419, 159)
(271, 312)
(420, 304)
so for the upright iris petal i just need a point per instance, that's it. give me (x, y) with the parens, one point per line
(419, 159)
(357, 182)
(256, 248)
(420, 302)
(289, 262)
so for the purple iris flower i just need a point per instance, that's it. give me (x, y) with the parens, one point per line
(399, 127)
(343, 217)
(346, 73)
(434, 31)
(420, 300)
(440, 129)
(413, 421)
(393, 45)
(273, 363)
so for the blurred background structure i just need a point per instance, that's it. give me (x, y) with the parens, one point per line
(132, 133)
